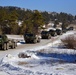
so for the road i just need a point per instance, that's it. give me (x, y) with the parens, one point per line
(23, 47)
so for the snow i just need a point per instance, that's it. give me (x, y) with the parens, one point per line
(51, 28)
(45, 60)
(68, 33)
(59, 28)
(37, 65)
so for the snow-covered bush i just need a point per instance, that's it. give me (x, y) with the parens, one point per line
(69, 41)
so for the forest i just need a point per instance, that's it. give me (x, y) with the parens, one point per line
(31, 20)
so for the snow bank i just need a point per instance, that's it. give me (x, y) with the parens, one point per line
(68, 33)
(21, 42)
(42, 66)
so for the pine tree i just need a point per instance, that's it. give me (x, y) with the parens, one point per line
(37, 20)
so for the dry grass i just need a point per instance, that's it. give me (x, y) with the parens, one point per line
(22, 63)
(26, 64)
(70, 41)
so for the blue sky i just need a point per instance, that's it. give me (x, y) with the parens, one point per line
(67, 6)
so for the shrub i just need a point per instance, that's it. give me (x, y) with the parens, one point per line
(23, 55)
(69, 41)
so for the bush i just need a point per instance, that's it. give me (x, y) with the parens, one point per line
(23, 55)
(69, 41)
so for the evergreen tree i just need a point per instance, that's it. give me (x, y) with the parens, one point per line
(3, 19)
(37, 20)
(12, 22)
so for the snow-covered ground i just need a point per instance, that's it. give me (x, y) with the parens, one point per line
(51, 59)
